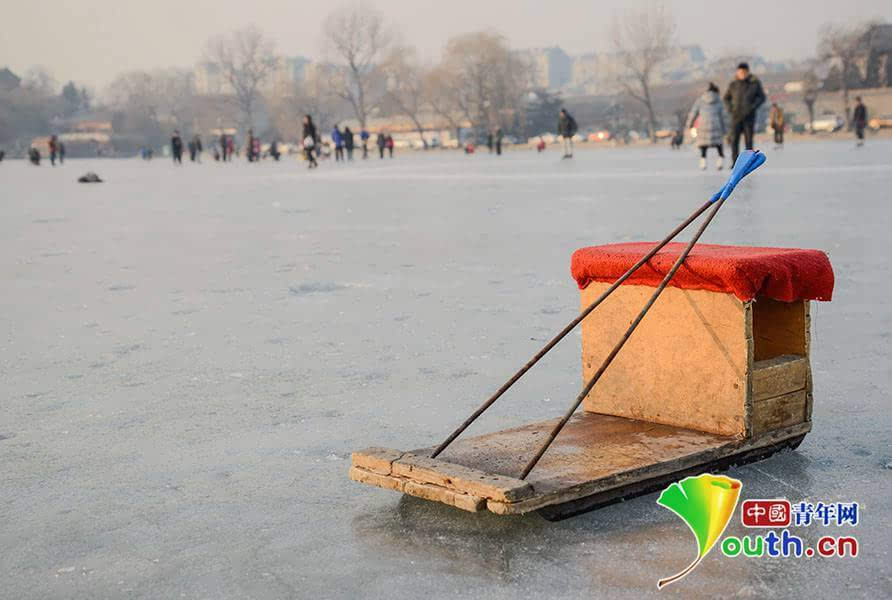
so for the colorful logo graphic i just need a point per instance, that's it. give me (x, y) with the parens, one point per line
(706, 503)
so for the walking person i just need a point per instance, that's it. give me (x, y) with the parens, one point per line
(348, 142)
(196, 143)
(743, 98)
(388, 141)
(191, 146)
(489, 141)
(53, 147)
(338, 140)
(499, 141)
(859, 120)
(61, 150)
(776, 120)
(249, 148)
(176, 147)
(567, 129)
(711, 127)
(381, 142)
(310, 138)
(364, 137)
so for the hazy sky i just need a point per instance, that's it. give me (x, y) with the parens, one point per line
(92, 40)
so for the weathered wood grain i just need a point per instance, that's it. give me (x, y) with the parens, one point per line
(778, 376)
(779, 412)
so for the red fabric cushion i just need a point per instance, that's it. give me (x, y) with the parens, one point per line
(784, 274)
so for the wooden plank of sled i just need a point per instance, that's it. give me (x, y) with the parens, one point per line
(377, 460)
(377, 479)
(460, 478)
(778, 376)
(625, 483)
(778, 412)
(440, 494)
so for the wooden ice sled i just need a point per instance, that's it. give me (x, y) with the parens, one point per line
(657, 415)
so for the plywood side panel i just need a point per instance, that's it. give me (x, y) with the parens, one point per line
(686, 365)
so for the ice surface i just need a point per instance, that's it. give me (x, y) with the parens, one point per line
(188, 356)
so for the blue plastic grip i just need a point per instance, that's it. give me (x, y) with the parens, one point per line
(746, 163)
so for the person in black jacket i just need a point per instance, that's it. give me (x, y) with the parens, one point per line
(859, 120)
(567, 129)
(349, 142)
(176, 147)
(311, 139)
(743, 98)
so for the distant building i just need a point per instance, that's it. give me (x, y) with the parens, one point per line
(551, 68)
(287, 73)
(9, 80)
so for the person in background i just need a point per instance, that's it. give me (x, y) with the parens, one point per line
(348, 142)
(711, 126)
(61, 149)
(567, 129)
(388, 141)
(2, 155)
(230, 146)
(489, 141)
(381, 142)
(255, 149)
(677, 139)
(743, 98)
(499, 136)
(176, 147)
(338, 140)
(364, 137)
(249, 147)
(274, 150)
(310, 139)
(776, 120)
(859, 120)
(196, 142)
(540, 146)
(191, 146)
(53, 149)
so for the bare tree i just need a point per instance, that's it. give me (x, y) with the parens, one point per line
(810, 88)
(245, 59)
(405, 80)
(485, 81)
(643, 39)
(438, 91)
(356, 34)
(843, 46)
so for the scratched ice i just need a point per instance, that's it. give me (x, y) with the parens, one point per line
(190, 355)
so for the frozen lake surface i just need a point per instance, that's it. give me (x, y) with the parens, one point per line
(189, 355)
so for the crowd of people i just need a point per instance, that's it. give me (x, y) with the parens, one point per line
(741, 101)
(343, 143)
(718, 119)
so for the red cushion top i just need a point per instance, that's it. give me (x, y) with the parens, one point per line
(784, 274)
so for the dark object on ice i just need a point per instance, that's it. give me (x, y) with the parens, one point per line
(89, 177)
(2, 155)
(34, 156)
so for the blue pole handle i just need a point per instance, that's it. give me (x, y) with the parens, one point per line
(747, 162)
